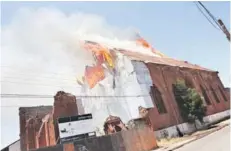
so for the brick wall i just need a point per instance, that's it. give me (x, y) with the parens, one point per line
(41, 137)
(38, 126)
(64, 106)
(26, 113)
(51, 132)
(164, 76)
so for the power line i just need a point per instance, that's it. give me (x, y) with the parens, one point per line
(219, 22)
(77, 96)
(34, 96)
(38, 84)
(33, 69)
(37, 78)
(10, 106)
(206, 17)
(19, 71)
(210, 14)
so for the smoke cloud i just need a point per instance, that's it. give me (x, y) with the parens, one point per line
(41, 54)
(47, 40)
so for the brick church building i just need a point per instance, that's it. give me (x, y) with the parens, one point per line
(38, 127)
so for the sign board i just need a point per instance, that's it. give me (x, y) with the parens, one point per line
(76, 127)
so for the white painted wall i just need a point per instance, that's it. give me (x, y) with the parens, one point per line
(125, 81)
(187, 128)
(217, 116)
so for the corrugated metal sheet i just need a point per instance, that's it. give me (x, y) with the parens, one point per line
(158, 60)
(144, 80)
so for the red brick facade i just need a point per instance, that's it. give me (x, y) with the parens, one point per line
(164, 76)
(38, 126)
(27, 117)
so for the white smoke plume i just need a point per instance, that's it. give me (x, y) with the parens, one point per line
(41, 54)
(47, 40)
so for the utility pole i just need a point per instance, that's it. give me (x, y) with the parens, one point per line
(218, 24)
(224, 29)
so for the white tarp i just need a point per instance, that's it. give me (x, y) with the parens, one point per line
(128, 94)
(144, 80)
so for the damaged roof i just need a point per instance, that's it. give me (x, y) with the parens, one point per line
(164, 61)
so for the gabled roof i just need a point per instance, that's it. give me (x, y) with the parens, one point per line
(160, 60)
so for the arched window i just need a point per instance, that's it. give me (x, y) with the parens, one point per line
(215, 95)
(205, 95)
(223, 94)
(157, 99)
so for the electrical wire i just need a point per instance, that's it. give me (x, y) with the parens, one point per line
(39, 84)
(210, 14)
(77, 96)
(33, 69)
(39, 96)
(36, 78)
(52, 74)
(206, 17)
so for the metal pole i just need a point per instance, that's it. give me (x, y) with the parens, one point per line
(224, 29)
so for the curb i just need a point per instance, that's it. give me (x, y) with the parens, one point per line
(197, 138)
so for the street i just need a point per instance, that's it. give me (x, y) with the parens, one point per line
(217, 141)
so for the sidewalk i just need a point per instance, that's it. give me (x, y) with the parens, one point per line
(195, 136)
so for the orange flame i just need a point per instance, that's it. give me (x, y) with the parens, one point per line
(93, 75)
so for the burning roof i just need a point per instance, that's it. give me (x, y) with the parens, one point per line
(158, 58)
(103, 57)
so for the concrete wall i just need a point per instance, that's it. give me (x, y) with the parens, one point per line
(187, 128)
(216, 117)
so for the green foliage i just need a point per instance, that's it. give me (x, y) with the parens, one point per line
(189, 101)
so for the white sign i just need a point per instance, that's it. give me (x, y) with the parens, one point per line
(75, 126)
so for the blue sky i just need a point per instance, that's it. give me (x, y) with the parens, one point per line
(177, 29)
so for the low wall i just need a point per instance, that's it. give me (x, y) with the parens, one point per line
(216, 117)
(187, 128)
(169, 132)
(130, 140)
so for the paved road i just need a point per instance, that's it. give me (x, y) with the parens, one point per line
(217, 141)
